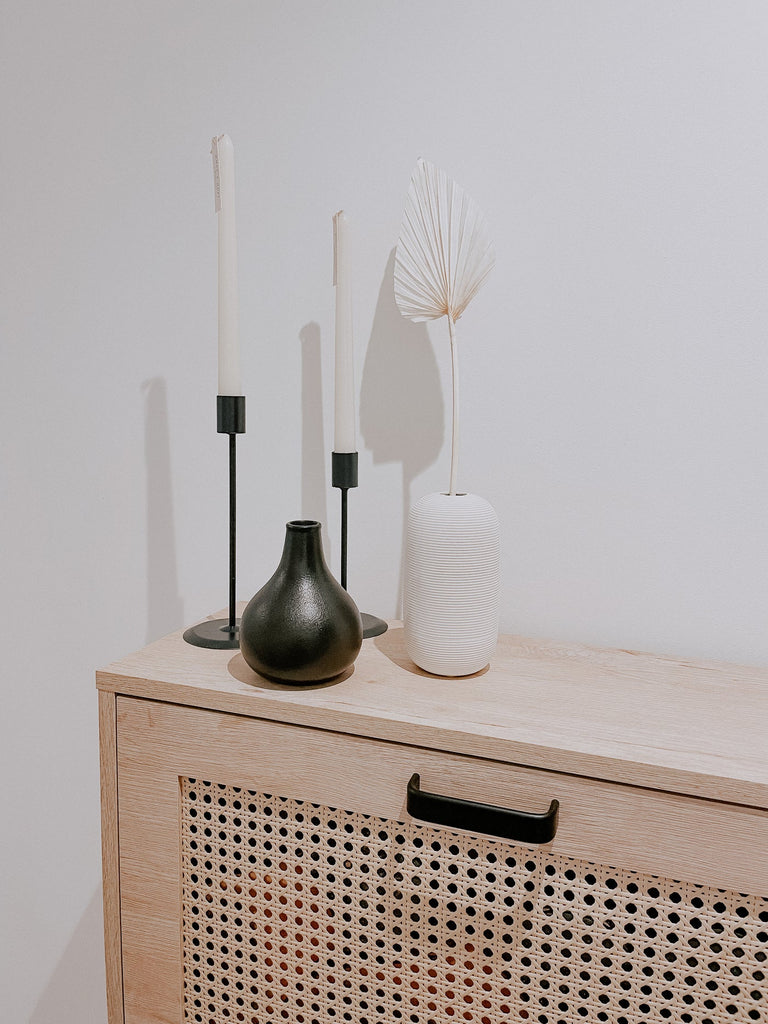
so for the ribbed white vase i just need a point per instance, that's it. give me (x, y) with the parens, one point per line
(452, 584)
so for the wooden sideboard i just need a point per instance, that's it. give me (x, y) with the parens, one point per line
(261, 864)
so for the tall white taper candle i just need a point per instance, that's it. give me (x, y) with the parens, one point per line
(229, 347)
(344, 419)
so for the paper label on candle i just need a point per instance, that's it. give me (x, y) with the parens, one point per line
(216, 177)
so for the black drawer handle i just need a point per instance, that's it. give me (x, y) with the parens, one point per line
(520, 826)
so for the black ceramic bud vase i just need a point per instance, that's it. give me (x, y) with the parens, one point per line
(302, 626)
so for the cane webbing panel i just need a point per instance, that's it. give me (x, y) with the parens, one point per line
(311, 915)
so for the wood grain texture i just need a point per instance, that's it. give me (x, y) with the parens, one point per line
(691, 727)
(150, 881)
(110, 856)
(323, 899)
(625, 827)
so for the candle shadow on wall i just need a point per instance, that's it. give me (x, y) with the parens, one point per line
(314, 493)
(402, 415)
(165, 609)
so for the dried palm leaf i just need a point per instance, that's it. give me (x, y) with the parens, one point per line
(443, 256)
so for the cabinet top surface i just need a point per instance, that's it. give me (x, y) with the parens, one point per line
(693, 727)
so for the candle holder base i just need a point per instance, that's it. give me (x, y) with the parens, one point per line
(214, 634)
(372, 625)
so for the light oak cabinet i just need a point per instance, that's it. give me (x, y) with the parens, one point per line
(261, 864)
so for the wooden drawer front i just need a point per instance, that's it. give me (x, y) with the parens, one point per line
(270, 872)
(299, 912)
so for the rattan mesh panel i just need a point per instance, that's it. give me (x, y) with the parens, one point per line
(312, 915)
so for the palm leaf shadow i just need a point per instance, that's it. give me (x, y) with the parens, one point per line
(402, 417)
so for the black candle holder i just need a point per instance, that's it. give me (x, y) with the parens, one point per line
(344, 476)
(223, 634)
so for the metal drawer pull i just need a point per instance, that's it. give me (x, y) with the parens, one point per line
(476, 817)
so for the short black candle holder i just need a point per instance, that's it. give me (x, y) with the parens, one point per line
(344, 476)
(224, 634)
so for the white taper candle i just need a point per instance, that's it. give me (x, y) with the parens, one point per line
(229, 346)
(344, 419)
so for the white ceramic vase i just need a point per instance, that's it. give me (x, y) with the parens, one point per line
(452, 584)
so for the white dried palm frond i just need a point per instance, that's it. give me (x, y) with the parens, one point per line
(443, 255)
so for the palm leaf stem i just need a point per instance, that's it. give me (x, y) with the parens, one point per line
(454, 405)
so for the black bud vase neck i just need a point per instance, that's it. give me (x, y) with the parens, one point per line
(302, 626)
(303, 549)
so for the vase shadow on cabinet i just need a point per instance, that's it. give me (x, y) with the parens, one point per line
(392, 646)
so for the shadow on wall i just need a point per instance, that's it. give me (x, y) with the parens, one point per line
(76, 993)
(314, 456)
(165, 609)
(401, 398)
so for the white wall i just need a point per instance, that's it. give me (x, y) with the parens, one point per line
(614, 366)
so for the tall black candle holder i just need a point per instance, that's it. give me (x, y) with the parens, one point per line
(344, 476)
(224, 634)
